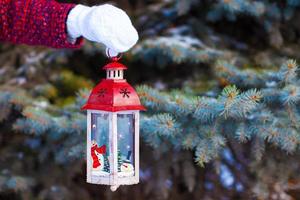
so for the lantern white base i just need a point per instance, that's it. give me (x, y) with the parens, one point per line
(100, 173)
(110, 180)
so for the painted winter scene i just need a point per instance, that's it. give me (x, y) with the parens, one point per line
(101, 163)
(100, 153)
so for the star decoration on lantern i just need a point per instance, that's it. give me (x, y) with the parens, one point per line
(125, 92)
(102, 92)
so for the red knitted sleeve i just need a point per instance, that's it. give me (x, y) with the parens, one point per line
(35, 22)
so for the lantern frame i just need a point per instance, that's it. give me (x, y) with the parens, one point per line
(112, 178)
(113, 96)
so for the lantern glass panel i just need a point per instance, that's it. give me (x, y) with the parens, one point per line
(100, 144)
(125, 127)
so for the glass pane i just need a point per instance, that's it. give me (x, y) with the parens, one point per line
(125, 127)
(100, 144)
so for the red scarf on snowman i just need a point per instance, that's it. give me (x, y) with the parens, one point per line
(101, 150)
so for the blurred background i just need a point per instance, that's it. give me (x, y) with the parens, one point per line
(196, 142)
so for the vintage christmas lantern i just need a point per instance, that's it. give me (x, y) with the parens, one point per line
(113, 130)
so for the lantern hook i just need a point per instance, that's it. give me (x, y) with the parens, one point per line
(113, 58)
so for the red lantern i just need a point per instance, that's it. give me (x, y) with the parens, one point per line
(113, 130)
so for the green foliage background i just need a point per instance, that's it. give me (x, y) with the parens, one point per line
(221, 84)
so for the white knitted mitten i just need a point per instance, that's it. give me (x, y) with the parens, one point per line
(105, 24)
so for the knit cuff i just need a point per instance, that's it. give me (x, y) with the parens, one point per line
(59, 28)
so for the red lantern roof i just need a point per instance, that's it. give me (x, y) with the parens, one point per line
(113, 94)
(114, 65)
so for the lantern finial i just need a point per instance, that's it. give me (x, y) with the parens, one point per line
(114, 69)
(113, 188)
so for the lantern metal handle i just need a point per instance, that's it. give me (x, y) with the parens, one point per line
(113, 58)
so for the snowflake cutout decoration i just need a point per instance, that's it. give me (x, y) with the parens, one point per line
(125, 92)
(102, 92)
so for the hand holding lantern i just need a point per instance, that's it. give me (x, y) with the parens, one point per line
(105, 24)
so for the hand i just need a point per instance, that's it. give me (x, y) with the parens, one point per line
(104, 24)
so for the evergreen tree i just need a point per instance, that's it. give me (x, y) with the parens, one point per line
(219, 89)
(106, 164)
(120, 160)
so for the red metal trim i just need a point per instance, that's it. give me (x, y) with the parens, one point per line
(112, 108)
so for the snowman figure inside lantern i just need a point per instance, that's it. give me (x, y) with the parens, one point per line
(113, 130)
